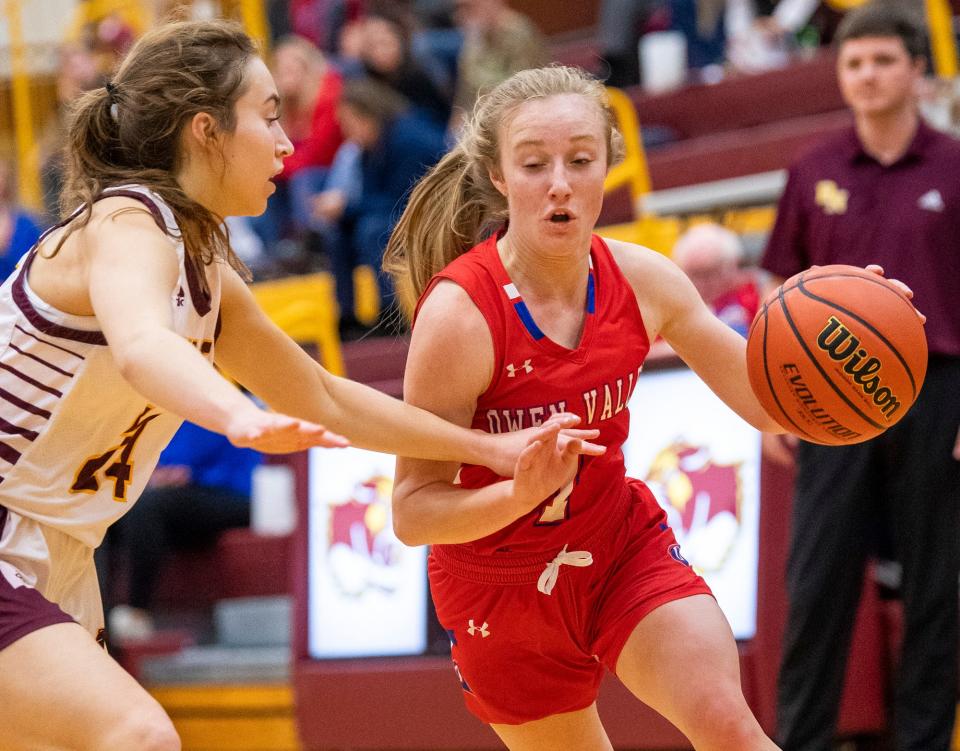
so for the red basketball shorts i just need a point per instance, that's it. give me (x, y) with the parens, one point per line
(522, 655)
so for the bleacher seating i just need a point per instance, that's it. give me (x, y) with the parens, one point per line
(741, 126)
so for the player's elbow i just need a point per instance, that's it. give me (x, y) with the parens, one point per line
(128, 355)
(407, 527)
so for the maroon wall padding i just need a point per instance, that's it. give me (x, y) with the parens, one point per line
(720, 156)
(188, 579)
(253, 565)
(552, 17)
(741, 152)
(378, 361)
(803, 88)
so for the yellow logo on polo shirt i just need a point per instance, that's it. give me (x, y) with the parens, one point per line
(832, 199)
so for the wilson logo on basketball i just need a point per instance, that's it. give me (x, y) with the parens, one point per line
(842, 346)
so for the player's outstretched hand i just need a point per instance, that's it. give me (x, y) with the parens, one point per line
(550, 462)
(509, 446)
(878, 270)
(272, 433)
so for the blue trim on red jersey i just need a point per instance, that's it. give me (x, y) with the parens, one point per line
(521, 307)
(591, 297)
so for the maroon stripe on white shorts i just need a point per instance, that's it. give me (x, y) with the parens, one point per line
(23, 609)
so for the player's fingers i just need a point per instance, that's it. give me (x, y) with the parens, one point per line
(573, 446)
(314, 431)
(528, 455)
(585, 434)
(592, 449)
(563, 419)
(547, 433)
(334, 440)
(901, 286)
(875, 268)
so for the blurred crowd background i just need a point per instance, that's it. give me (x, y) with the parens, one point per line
(373, 92)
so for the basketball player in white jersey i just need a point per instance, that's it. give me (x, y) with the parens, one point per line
(111, 326)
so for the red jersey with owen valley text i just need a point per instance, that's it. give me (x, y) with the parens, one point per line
(535, 377)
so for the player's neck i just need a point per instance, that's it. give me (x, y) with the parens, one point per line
(560, 277)
(197, 183)
(887, 137)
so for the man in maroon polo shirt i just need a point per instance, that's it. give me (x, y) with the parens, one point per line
(886, 192)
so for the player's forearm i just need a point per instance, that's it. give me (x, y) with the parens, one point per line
(373, 420)
(166, 370)
(440, 513)
(720, 358)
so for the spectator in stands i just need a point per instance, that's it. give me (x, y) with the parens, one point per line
(622, 24)
(396, 145)
(387, 58)
(498, 42)
(310, 91)
(18, 229)
(200, 488)
(765, 34)
(76, 73)
(438, 39)
(711, 256)
(885, 192)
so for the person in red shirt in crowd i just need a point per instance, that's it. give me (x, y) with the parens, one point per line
(711, 255)
(310, 89)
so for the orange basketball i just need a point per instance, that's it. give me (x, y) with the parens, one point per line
(837, 355)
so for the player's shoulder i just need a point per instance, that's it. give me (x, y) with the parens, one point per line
(450, 332)
(125, 213)
(638, 262)
(448, 309)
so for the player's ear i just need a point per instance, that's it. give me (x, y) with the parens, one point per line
(203, 129)
(496, 177)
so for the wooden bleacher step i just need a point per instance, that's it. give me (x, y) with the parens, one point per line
(234, 695)
(235, 717)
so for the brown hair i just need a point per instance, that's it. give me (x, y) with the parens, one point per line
(130, 131)
(884, 18)
(454, 204)
(374, 100)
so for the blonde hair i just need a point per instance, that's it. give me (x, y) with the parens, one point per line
(455, 203)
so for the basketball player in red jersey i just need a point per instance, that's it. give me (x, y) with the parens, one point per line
(111, 327)
(542, 317)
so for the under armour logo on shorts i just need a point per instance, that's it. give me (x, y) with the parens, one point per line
(472, 630)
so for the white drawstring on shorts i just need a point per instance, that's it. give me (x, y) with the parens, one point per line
(578, 558)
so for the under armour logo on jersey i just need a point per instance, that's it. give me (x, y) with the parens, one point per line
(512, 369)
(931, 201)
(472, 630)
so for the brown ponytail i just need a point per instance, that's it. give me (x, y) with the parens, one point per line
(130, 132)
